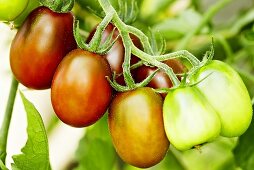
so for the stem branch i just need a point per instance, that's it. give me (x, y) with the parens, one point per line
(7, 119)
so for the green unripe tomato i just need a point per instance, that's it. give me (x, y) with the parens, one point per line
(10, 9)
(227, 94)
(32, 4)
(189, 120)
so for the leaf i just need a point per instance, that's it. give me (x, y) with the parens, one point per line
(173, 28)
(2, 166)
(95, 149)
(151, 8)
(169, 162)
(35, 154)
(216, 155)
(244, 151)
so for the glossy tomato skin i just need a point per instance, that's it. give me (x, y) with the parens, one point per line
(39, 46)
(227, 94)
(80, 92)
(9, 10)
(136, 126)
(115, 56)
(189, 119)
(161, 79)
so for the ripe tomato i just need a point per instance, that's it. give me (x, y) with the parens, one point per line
(80, 92)
(161, 79)
(136, 126)
(227, 94)
(9, 10)
(115, 56)
(39, 45)
(189, 119)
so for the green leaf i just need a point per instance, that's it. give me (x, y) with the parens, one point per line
(151, 8)
(244, 151)
(95, 149)
(216, 155)
(35, 154)
(173, 28)
(169, 162)
(2, 166)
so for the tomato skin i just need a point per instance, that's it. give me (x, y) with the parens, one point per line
(136, 126)
(189, 120)
(39, 46)
(161, 79)
(80, 92)
(226, 92)
(9, 10)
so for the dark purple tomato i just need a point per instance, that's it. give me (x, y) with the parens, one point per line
(80, 92)
(115, 56)
(39, 46)
(136, 126)
(161, 79)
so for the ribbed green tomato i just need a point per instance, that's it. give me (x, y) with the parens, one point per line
(227, 94)
(136, 126)
(189, 120)
(10, 9)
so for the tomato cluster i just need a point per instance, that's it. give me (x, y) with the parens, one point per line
(142, 123)
(219, 104)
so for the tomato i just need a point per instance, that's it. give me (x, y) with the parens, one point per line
(161, 79)
(227, 94)
(80, 92)
(136, 126)
(32, 4)
(39, 46)
(9, 10)
(115, 56)
(189, 119)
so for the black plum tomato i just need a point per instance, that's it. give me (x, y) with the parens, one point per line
(136, 126)
(39, 46)
(161, 79)
(80, 92)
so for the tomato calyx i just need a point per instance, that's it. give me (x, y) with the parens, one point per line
(58, 5)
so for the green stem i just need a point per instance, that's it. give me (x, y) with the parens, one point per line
(151, 60)
(129, 45)
(181, 53)
(95, 42)
(142, 37)
(7, 119)
(127, 60)
(206, 18)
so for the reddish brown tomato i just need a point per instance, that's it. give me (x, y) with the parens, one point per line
(161, 79)
(115, 56)
(39, 46)
(80, 92)
(136, 126)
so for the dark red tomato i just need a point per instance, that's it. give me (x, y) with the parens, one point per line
(137, 129)
(80, 92)
(161, 79)
(39, 46)
(115, 56)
